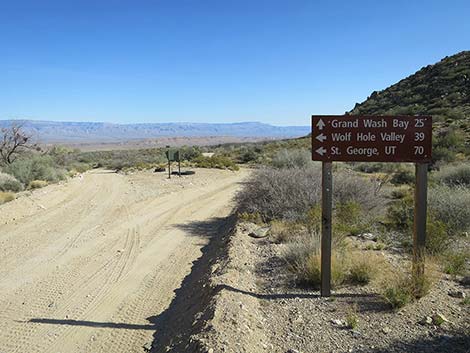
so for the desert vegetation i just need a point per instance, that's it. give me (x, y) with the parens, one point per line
(372, 202)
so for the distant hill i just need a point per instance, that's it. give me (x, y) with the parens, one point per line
(51, 131)
(441, 90)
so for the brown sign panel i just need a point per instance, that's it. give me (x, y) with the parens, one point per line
(359, 138)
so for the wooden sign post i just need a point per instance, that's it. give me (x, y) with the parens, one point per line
(353, 138)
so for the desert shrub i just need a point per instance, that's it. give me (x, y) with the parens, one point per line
(450, 205)
(9, 183)
(400, 213)
(284, 194)
(35, 167)
(6, 197)
(398, 292)
(289, 193)
(218, 162)
(399, 287)
(455, 262)
(437, 237)
(79, 167)
(250, 217)
(400, 192)
(37, 184)
(307, 268)
(303, 259)
(297, 158)
(352, 318)
(189, 153)
(403, 176)
(454, 175)
(351, 188)
(249, 154)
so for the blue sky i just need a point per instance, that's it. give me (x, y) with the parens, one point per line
(214, 60)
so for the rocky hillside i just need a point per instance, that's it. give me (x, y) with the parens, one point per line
(441, 90)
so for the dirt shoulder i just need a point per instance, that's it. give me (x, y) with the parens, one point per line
(257, 307)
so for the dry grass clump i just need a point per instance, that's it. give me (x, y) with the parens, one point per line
(352, 317)
(286, 232)
(400, 287)
(250, 217)
(303, 259)
(364, 267)
(37, 184)
(6, 197)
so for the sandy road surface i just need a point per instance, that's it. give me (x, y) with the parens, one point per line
(84, 265)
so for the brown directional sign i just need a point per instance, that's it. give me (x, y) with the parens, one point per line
(362, 138)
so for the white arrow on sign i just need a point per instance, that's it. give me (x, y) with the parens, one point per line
(320, 124)
(321, 151)
(321, 137)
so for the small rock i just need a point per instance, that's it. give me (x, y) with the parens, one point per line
(355, 333)
(386, 330)
(368, 236)
(338, 322)
(465, 281)
(457, 294)
(147, 347)
(426, 320)
(293, 351)
(259, 233)
(211, 350)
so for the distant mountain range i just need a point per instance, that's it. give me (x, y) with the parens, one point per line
(75, 132)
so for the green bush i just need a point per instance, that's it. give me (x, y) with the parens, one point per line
(400, 213)
(437, 237)
(218, 162)
(455, 262)
(35, 167)
(450, 205)
(404, 176)
(9, 183)
(454, 175)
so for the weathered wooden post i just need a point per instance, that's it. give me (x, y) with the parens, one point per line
(420, 217)
(326, 211)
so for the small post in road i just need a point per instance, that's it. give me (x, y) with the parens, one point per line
(169, 162)
(327, 197)
(420, 215)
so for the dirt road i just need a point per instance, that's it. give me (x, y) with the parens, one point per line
(83, 265)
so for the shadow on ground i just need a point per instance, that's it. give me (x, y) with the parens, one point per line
(450, 342)
(115, 325)
(176, 324)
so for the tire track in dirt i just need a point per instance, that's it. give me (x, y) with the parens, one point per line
(126, 274)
